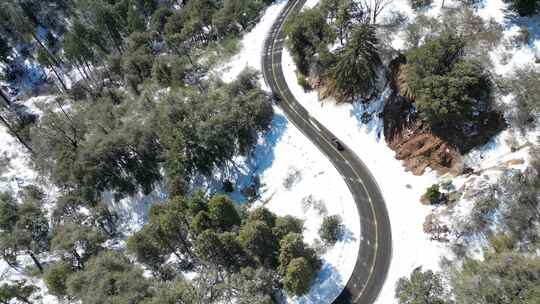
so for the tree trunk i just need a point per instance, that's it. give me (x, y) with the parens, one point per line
(36, 261)
(81, 70)
(53, 58)
(58, 77)
(14, 133)
(78, 258)
(5, 98)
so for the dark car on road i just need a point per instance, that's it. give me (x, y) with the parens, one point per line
(338, 144)
(276, 98)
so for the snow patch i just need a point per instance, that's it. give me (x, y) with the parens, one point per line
(252, 45)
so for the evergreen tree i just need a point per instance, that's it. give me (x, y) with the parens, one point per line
(19, 291)
(222, 213)
(109, 278)
(506, 277)
(264, 215)
(76, 243)
(423, 287)
(287, 224)
(220, 249)
(292, 246)
(257, 238)
(525, 7)
(331, 229)
(55, 278)
(146, 249)
(207, 129)
(25, 230)
(355, 72)
(308, 34)
(255, 285)
(176, 292)
(298, 276)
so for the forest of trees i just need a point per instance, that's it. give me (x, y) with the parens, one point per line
(239, 254)
(134, 106)
(350, 70)
(338, 50)
(97, 136)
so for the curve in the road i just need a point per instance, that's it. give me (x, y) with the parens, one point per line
(375, 251)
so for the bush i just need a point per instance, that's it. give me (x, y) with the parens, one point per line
(293, 176)
(55, 278)
(433, 194)
(331, 229)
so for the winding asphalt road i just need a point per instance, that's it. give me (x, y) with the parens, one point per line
(375, 250)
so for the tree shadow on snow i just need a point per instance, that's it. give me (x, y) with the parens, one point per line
(243, 172)
(511, 18)
(327, 286)
(347, 236)
(369, 114)
(132, 211)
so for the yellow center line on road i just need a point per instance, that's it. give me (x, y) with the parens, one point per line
(282, 21)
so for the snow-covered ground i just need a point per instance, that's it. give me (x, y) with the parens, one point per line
(297, 179)
(316, 190)
(251, 45)
(16, 173)
(402, 190)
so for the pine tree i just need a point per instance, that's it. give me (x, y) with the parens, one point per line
(423, 287)
(25, 230)
(355, 72)
(19, 291)
(109, 278)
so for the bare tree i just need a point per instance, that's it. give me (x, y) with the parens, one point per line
(373, 8)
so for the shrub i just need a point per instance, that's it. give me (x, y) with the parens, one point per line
(55, 278)
(433, 194)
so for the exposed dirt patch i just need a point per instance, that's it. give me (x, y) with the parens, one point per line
(417, 144)
(419, 149)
